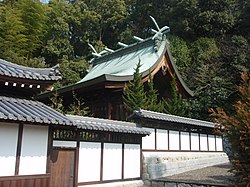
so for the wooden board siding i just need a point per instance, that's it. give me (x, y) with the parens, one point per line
(26, 181)
(62, 167)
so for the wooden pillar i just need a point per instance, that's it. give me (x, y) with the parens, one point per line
(19, 147)
(109, 110)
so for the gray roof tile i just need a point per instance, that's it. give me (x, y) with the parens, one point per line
(172, 118)
(16, 109)
(23, 110)
(97, 124)
(17, 71)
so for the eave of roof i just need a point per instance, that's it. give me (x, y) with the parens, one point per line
(97, 124)
(171, 118)
(12, 70)
(29, 111)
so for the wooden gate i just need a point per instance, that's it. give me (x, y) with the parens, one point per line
(63, 167)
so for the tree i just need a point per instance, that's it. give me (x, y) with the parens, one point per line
(72, 71)
(134, 96)
(236, 128)
(78, 107)
(181, 53)
(111, 14)
(56, 102)
(175, 105)
(153, 102)
(12, 37)
(58, 44)
(34, 18)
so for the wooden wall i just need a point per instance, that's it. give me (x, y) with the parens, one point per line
(26, 181)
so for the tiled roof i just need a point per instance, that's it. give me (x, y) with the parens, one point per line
(97, 124)
(23, 110)
(29, 111)
(172, 118)
(9, 69)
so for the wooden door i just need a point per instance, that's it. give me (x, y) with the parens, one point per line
(63, 167)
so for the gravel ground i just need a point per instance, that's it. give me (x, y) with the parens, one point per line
(217, 175)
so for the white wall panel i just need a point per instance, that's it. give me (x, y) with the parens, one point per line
(57, 143)
(112, 161)
(161, 139)
(174, 141)
(185, 141)
(89, 162)
(148, 142)
(195, 142)
(132, 159)
(219, 143)
(8, 147)
(211, 142)
(34, 150)
(203, 142)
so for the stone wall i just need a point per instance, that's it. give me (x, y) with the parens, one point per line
(162, 164)
(135, 183)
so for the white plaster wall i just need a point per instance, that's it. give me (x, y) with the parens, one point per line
(211, 142)
(185, 141)
(148, 142)
(132, 160)
(219, 143)
(112, 161)
(8, 147)
(34, 150)
(203, 142)
(161, 139)
(57, 143)
(194, 141)
(174, 140)
(89, 162)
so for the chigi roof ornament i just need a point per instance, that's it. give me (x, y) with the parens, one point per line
(160, 31)
(159, 35)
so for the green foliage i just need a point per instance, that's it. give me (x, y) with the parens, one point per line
(181, 52)
(22, 26)
(153, 102)
(56, 102)
(216, 17)
(78, 107)
(204, 49)
(73, 71)
(58, 45)
(134, 96)
(175, 105)
(12, 37)
(111, 14)
(237, 129)
(34, 18)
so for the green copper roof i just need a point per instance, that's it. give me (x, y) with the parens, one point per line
(120, 65)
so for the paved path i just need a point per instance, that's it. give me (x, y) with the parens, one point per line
(217, 175)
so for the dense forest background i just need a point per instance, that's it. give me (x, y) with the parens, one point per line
(210, 39)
